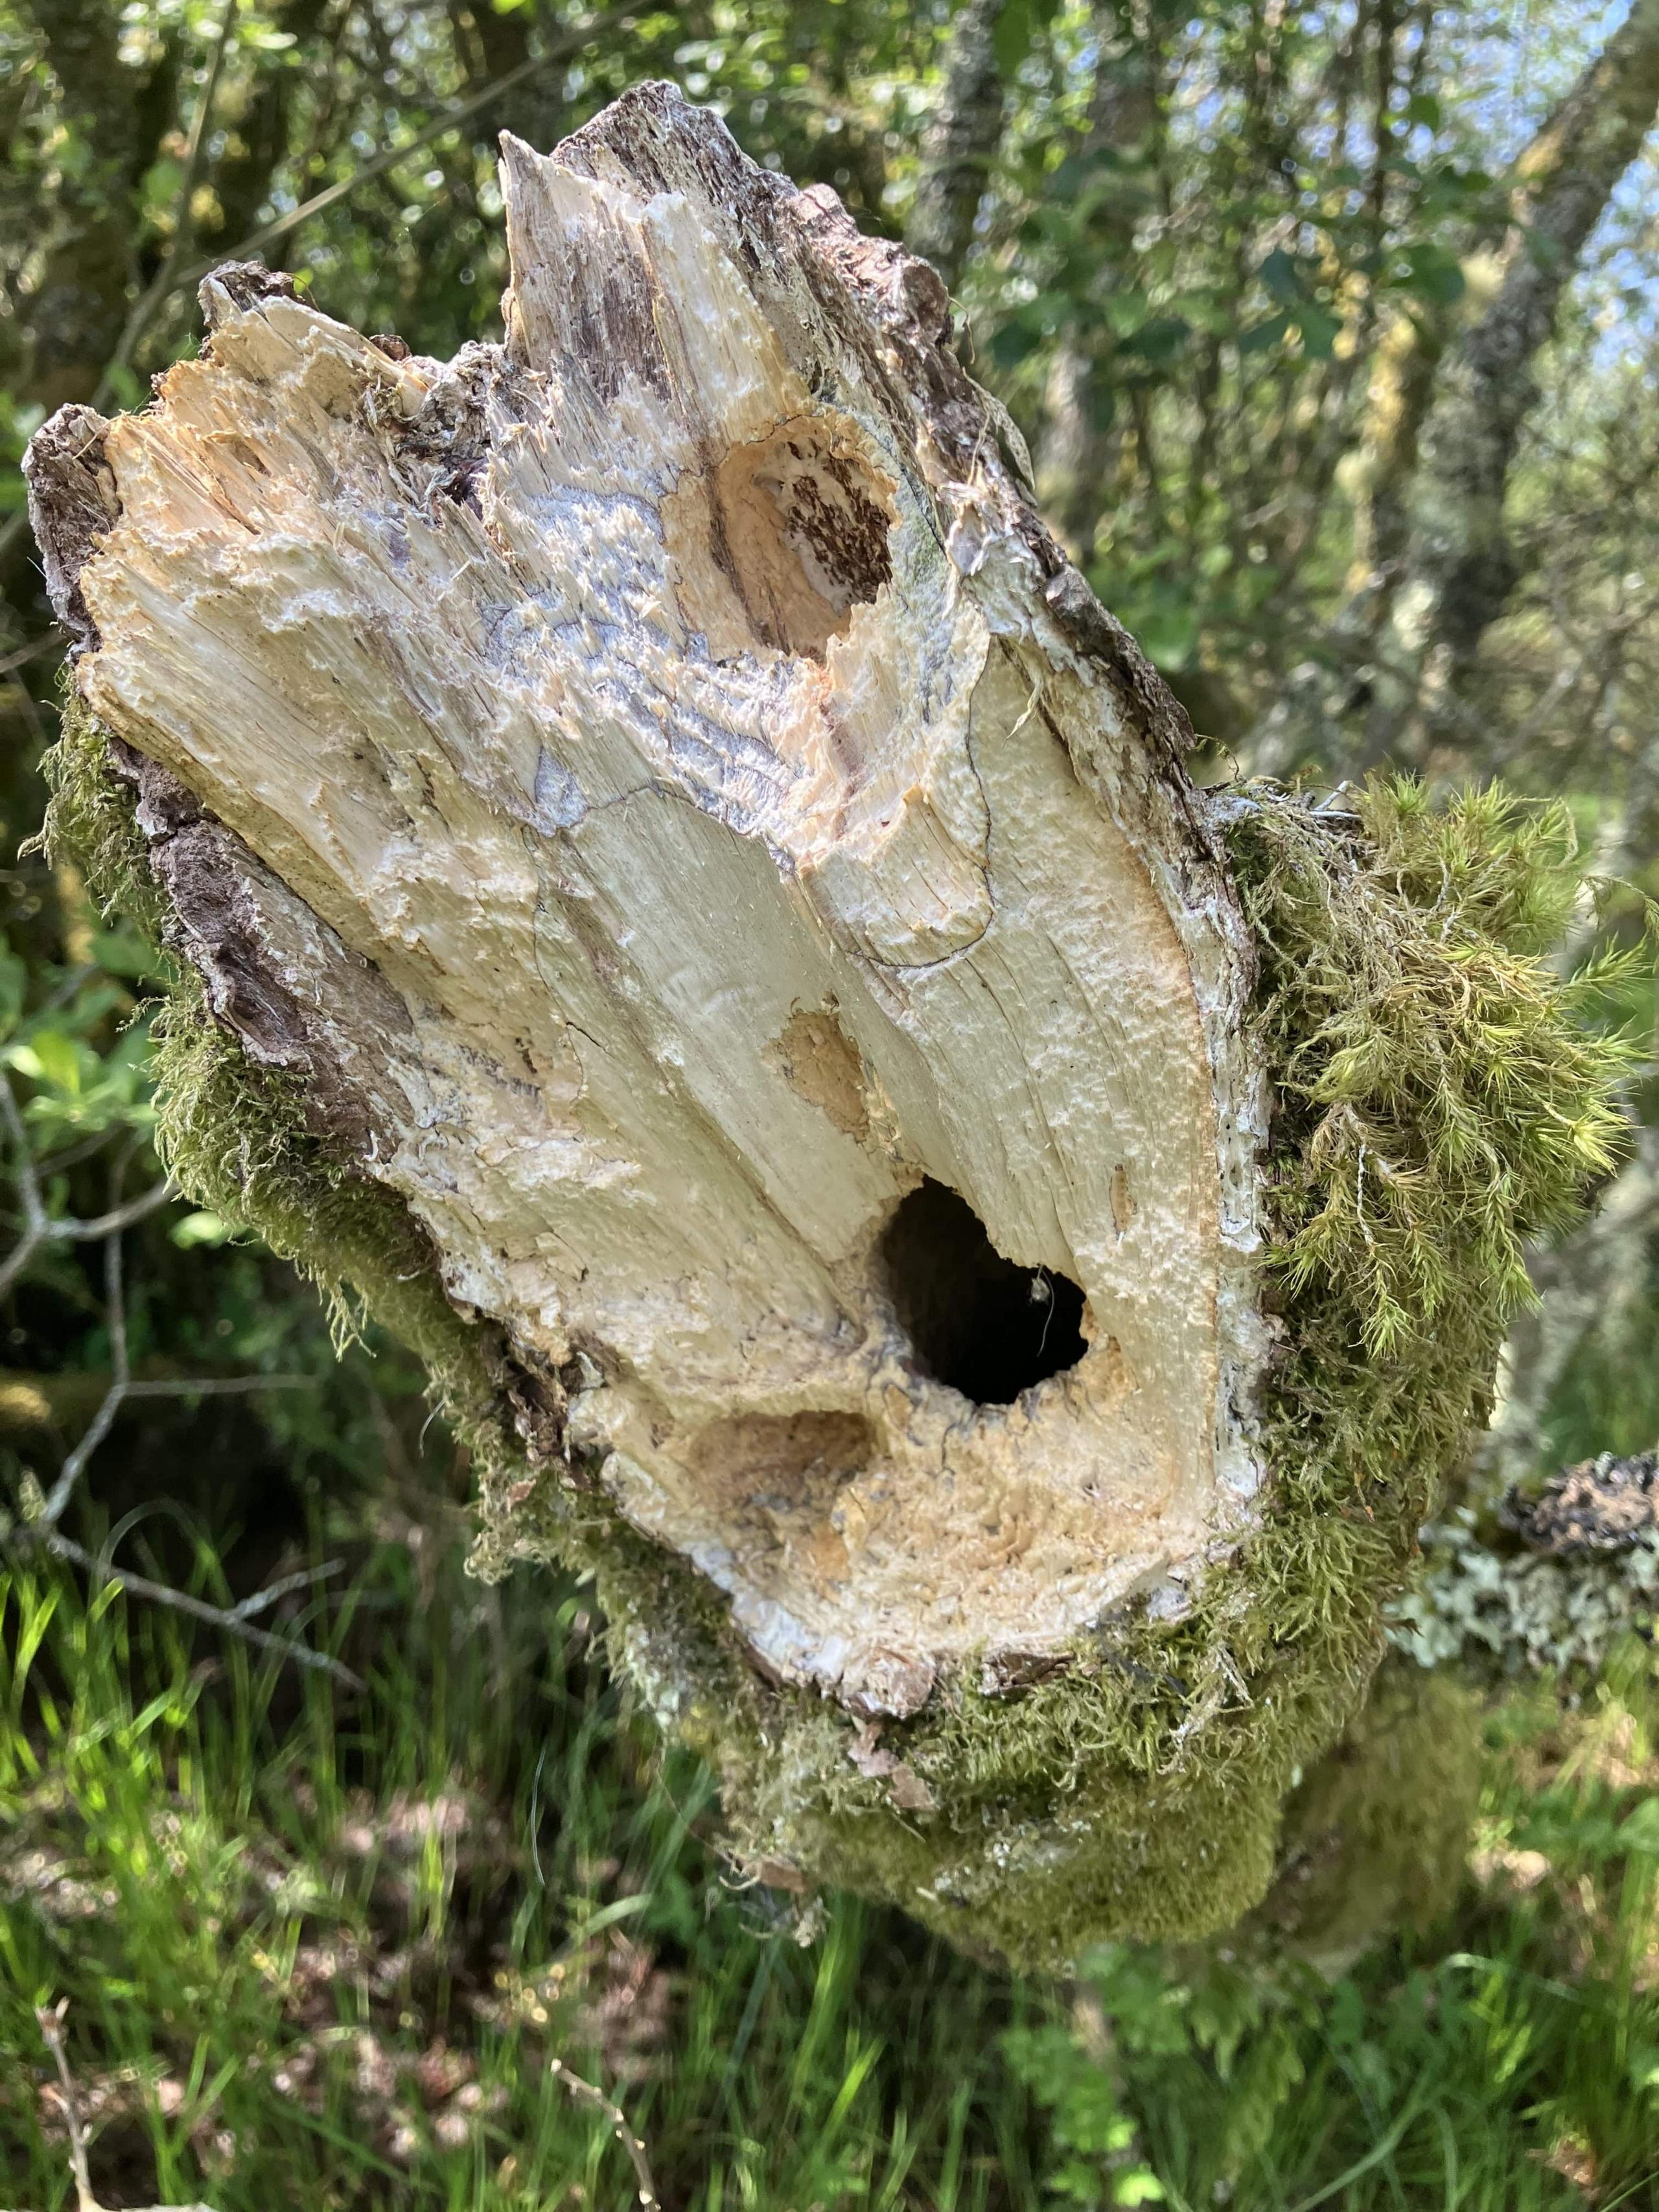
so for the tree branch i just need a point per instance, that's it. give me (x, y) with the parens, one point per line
(40, 1527)
(233, 1621)
(1462, 559)
(585, 2092)
(51, 2021)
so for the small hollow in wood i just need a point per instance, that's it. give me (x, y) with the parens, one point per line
(794, 523)
(978, 1322)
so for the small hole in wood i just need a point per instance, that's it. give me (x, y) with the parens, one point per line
(975, 1321)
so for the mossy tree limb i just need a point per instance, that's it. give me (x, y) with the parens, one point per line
(686, 903)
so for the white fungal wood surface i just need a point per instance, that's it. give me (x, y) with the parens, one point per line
(659, 779)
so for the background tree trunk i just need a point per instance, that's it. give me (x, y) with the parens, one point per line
(961, 141)
(1435, 569)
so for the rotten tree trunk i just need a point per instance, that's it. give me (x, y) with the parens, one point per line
(661, 800)
(742, 894)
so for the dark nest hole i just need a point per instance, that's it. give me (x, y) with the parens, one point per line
(975, 1321)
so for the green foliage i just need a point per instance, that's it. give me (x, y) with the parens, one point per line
(302, 1908)
(1095, 2133)
(1203, 223)
(83, 1080)
(1209, 250)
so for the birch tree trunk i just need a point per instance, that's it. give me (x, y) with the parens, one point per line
(657, 796)
(960, 146)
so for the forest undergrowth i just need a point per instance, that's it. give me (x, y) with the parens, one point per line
(395, 1935)
(321, 1947)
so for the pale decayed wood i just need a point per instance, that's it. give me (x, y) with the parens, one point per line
(665, 790)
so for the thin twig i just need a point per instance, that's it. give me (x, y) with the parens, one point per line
(269, 1595)
(38, 1227)
(45, 1230)
(28, 1183)
(52, 640)
(72, 1155)
(120, 1375)
(65, 990)
(216, 1616)
(585, 2092)
(31, 713)
(220, 1386)
(119, 1217)
(50, 2018)
(42, 1528)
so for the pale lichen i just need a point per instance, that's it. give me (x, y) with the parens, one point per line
(1473, 1605)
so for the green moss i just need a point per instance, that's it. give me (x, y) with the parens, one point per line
(1438, 1099)
(1373, 1840)
(89, 820)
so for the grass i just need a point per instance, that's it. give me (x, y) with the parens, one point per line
(319, 1948)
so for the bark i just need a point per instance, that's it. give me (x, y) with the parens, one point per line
(661, 789)
(1400, 653)
(961, 142)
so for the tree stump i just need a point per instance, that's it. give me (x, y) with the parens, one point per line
(662, 845)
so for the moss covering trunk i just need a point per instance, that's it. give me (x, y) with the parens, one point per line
(686, 909)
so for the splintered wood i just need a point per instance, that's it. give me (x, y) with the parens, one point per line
(662, 788)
